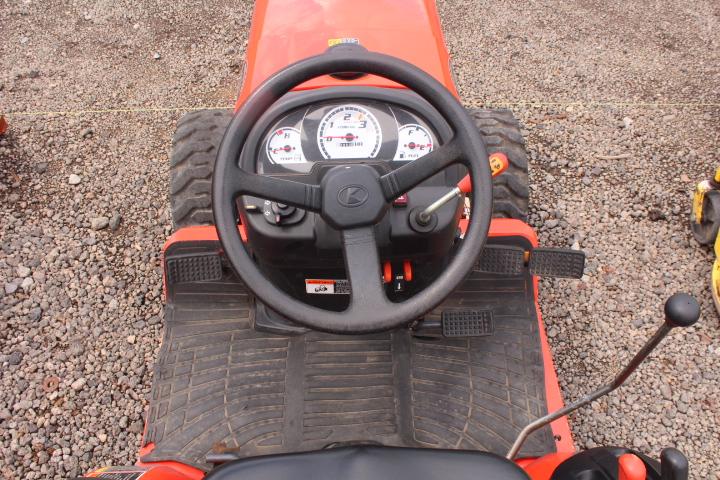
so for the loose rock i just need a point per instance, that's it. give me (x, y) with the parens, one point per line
(78, 384)
(98, 223)
(15, 358)
(114, 223)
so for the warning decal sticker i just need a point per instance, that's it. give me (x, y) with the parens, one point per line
(324, 286)
(120, 473)
(337, 41)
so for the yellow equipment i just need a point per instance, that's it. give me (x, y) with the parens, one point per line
(705, 223)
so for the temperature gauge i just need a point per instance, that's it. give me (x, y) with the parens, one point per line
(284, 146)
(414, 141)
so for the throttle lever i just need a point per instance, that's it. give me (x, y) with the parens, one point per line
(498, 164)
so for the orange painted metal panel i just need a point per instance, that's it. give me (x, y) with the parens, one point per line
(543, 467)
(285, 31)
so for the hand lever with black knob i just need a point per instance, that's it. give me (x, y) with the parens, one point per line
(673, 465)
(681, 310)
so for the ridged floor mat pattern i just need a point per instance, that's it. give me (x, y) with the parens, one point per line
(221, 386)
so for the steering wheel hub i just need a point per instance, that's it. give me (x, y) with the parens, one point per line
(352, 197)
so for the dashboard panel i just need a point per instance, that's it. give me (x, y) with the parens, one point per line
(344, 129)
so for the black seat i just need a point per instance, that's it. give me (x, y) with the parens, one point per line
(372, 463)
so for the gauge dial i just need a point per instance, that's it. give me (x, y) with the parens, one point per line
(414, 141)
(284, 146)
(349, 131)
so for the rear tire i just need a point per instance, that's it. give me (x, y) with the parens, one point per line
(192, 160)
(501, 132)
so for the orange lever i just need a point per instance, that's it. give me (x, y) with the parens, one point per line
(387, 272)
(630, 467)
(498, 164)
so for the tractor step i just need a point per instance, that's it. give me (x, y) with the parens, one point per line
(466, 323)
(557, 262)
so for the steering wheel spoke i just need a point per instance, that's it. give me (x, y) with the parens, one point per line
(297, 194)
(413, 173)
(362, 264)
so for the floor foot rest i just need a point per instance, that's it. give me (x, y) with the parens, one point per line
(466, 323)
(557, 262)
(221, 387)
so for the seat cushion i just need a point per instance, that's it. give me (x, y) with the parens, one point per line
(372, 463)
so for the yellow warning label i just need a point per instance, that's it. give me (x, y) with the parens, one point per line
(337, 41)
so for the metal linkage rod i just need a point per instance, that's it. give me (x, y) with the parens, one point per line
(681, 310)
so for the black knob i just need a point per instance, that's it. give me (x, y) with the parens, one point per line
(681, 310)
(673, 464)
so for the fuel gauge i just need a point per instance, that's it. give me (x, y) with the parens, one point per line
(414, 141)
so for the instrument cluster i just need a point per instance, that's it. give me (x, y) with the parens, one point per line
(342, 130)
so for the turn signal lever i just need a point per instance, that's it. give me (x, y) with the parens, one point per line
(681, 310)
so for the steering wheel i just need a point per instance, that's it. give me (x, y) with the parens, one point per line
(352, 198)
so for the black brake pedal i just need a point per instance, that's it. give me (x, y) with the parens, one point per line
(502, 260)
(466, 323)
(204, 267)
(557, 262)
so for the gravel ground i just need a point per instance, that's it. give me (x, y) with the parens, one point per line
(84, 209)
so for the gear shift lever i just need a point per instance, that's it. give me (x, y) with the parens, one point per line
(681, 310)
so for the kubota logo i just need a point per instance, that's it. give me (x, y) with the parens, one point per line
(353, 195)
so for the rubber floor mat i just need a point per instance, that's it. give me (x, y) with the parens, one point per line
(220, 386)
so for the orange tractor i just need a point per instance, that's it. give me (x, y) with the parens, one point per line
(351, 286)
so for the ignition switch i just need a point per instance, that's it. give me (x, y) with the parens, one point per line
(282, 214)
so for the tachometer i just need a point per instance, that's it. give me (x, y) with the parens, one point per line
(414, 141)
(349, 131)
(284, 146)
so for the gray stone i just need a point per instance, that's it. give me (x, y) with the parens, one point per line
(136, 427)
(98, 223)
(27, 283)
(114, 223)
(22, 271)
(666, 391)
(15, 358)
(78, 384)
(35, 314)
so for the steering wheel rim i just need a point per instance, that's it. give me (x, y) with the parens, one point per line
(367, 311)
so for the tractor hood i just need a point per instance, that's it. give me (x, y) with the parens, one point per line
(285, 31)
